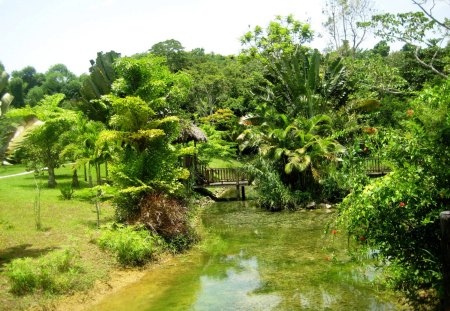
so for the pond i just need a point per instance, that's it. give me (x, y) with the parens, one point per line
(255, 260)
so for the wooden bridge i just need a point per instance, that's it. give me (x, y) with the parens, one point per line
(222, 177)
(229, 177)
(217, 177)
(375, 167)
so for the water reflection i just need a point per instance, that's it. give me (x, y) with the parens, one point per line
(235, 291)
(252, 260)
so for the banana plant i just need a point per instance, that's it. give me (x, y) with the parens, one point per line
(5, 98)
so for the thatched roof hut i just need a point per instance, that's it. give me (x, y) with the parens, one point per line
(191, 132)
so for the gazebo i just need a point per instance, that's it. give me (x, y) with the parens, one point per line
(190, 132)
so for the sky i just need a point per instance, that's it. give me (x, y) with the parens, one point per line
(41, 33)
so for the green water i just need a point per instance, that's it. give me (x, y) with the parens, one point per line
(254, 260)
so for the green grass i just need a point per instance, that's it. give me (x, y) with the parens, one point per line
(220, 163)
(11, 169)
(65, 224)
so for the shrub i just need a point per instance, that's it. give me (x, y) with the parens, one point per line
(66, 191)
(132, 245)
(272, 193)
(56, 273)
(399, 214)
(167, 217)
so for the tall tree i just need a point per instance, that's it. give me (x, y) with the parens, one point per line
(98, 83)
(149, 78)
(417, 29)
(173, 51)
(348, 22)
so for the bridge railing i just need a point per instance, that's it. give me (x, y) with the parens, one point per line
(206, 175)
(376, 166)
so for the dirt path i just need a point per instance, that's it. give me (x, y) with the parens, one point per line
(19, 174)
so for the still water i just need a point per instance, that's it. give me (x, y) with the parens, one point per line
(254, 260)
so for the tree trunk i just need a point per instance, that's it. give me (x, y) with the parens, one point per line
(75, 182)
(445, 244)
(106, 169)
(90, 175)
(98, 174)
(85, 173)
(51, 177)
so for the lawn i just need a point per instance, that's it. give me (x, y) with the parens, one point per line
(65, 224)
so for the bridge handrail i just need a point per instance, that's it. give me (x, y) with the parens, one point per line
(220, 175)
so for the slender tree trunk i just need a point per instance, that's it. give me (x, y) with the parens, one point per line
(445, 245)
(85, 173)
(75, 181)
(98, 174)
(90, 175)
(51, 177)
(106, 169)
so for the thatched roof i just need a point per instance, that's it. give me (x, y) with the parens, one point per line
(191, 132)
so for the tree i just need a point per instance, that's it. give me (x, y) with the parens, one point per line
(5, 98)
(43, 145)
(98, 83)
(59, 79)
(348, 22)
(372, 77)
(417, 29)
(282, 37)
(16, 87)
(149, 78)
(80, 146)
(296, 83)
(399, 214)
(144, 160)
(173, 51)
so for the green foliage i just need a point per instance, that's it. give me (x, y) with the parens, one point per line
(59, 79)
(98, 83)
(272, 193)
(43, 145)
(399, 214)
(416, 29)
(150, 79)
(373, 78)
(229, 83)
(142, 154)
(132, 246)
(56, 273)
(283, 36)
(66, 191)
(217, 146)
(300, 148)
(173, 51)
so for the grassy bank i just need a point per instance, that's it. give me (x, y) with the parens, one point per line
(66, 224)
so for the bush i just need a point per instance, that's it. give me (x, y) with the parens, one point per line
(66, 191)
(56, 273)
(399, 214)
(133, 246)
(167, 217)
(272, 193)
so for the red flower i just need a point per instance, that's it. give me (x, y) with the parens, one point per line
(410, 112)
(333, 231)
(402, 204)
(362, 238)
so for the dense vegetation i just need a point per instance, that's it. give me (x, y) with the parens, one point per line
(302, 122)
